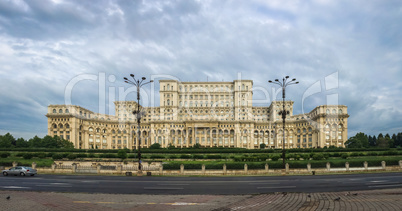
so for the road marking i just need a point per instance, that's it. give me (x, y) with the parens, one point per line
(162, 188)
(60, 185)
(182, 203)
(15, 187)
(173, 184)
(380, 181)
(276, 187)
(148, 203)
(378, 186)
(384, 183)
(264, 183)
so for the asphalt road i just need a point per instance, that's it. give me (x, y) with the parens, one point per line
(201, 185)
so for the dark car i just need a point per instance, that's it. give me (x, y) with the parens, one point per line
(20, 170)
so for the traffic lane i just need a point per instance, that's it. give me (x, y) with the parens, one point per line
(206, 185)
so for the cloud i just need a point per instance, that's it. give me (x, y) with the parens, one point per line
(44, 45)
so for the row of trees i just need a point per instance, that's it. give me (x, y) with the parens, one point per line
(361, 140)
(8, 141)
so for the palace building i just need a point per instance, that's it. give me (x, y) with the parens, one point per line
(212, 114)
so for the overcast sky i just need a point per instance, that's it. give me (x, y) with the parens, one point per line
(342, 52)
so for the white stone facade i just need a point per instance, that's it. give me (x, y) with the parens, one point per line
(209, 113)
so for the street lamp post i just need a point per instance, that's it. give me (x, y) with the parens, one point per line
(284, 83)
(138, 83)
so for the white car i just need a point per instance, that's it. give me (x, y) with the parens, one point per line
(20, 170)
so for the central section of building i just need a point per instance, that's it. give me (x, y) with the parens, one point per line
(212, 114)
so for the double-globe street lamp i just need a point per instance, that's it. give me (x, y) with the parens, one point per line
(138, 83)
(284, 83)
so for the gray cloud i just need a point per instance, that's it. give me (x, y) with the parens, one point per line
(44, 45)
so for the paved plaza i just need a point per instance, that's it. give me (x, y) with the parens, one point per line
(386, 199)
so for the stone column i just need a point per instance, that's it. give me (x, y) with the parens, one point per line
(161, 169)
(245, 168)
(119, 168)
(74, 168)
(224, 169)
(309, 167)
(365, 165)
(53, 167)
(328, 166)
(287, 167)
(383, 164)
(181, 169)
(203, 169)
(34, 165)
(347, 166)
(266, 167)
(98, 168)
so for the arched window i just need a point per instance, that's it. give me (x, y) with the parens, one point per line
(60, 111)
(67, 111)
(333, 111)
(54, 111)
(327, 111)
(340, 111)
(67, 126)
(54, 126)
(168, 102)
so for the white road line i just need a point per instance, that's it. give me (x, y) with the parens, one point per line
(379, 186)
(264, 183)
(380, 181)
(15, 187)
(173, 184)
(56, 186)
(278, 187)
(162, 188)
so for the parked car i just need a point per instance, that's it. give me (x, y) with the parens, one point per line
(20, 170)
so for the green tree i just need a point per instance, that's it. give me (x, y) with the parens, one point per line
(197, 146)
(384, 142)
(171, 146)
(360, 140)
(380, 136)
(7, 141)
(374, 143)
(35, 142)
(155, 146)
(262, 146)
(394, 140)
(21, 143)
(62, 143)
(398, 140)
(122, 154)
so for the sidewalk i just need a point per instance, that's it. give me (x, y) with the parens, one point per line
(387, 199)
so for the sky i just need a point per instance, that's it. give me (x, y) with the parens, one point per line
(346, 52)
